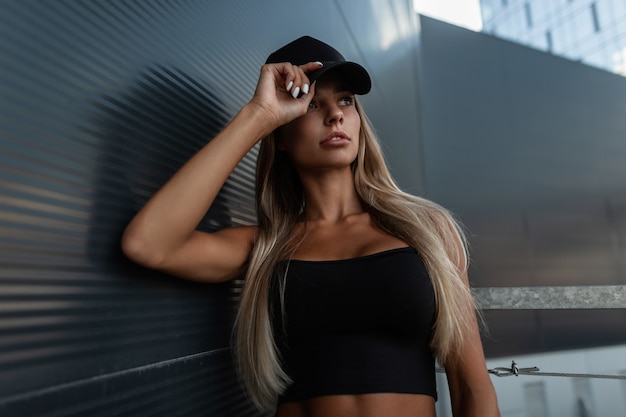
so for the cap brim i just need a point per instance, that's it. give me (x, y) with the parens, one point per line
(354, 74)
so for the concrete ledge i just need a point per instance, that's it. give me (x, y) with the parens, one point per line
(548, 298)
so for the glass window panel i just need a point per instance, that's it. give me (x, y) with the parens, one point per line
(619, 8)
(540, 9)
(590, 44)
(504, 27)
(519, 22)
(559, 39)
(582, 24)
(570, 33)
(509, 28)
(605, 13)
(535, 394)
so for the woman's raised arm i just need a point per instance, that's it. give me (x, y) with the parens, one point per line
(163, 234)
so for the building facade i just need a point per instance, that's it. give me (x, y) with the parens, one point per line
(590, 31)
(527, 149)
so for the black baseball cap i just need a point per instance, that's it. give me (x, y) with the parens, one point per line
(308, 49)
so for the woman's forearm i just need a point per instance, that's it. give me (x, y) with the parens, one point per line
(173, 213)
(476, 404)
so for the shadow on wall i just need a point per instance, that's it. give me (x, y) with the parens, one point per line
(149, 132)
(125, 334)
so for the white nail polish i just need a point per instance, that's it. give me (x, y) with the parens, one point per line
(318, 63)
(305, 89)
(289, 85)
(295, 93)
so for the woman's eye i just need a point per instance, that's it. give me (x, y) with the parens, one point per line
(347, 101)
(312, 105)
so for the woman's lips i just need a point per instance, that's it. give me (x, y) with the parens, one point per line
(335, 139)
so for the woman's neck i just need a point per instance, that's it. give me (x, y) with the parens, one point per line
(330, 197)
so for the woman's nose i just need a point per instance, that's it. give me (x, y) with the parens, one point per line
(335, 115)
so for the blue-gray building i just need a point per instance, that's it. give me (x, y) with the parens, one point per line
(590, 31)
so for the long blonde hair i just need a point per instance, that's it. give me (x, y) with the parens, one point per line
(424, 225)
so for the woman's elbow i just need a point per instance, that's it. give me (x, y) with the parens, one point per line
(139, 249)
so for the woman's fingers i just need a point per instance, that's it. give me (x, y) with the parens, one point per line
(296, 79)
(311, 66)
(277, 87)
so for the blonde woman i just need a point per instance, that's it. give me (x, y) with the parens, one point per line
(352, 287)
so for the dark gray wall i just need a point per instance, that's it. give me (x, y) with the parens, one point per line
(100, 102)
(529, 150)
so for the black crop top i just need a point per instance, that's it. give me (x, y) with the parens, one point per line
(356, 326)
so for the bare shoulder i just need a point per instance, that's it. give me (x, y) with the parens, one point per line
(213, 257)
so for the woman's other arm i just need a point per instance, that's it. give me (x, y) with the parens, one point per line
(471, 389)
(163, 234)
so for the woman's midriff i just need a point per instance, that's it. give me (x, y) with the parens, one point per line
(366, 405)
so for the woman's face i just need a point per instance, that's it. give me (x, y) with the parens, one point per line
(327, 136)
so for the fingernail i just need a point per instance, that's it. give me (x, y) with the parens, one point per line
(295, 92)
(318, 63)
(289, 85)
(305, 89)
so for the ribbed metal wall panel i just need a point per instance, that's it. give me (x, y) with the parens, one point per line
(100, 102)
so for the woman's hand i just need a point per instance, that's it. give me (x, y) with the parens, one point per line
(284, 91)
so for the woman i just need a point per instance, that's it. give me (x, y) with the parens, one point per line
(352, 287)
